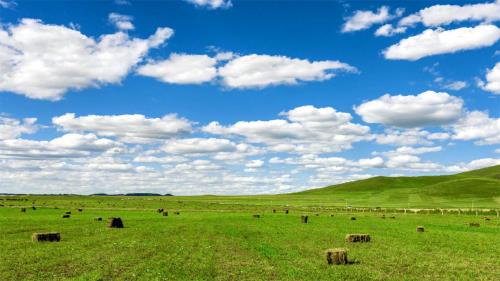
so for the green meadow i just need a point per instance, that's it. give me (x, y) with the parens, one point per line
(217, 237)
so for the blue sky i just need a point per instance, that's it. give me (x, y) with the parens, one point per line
(243, 97)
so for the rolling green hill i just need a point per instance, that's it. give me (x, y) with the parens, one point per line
(478, 188)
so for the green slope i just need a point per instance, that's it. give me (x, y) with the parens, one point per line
(480, 188)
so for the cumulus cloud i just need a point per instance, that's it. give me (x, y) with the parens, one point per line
(388, 30)
(212, 4)
(361, 20)
(122, 22)
(11, 128)
(181, 69)
(306, 129)
(253, 164)
(440, 41)
(492, 83)
(259, 71)
(438, 15)
(131, 128)
(478, 126)
(33, 64)
(403, 137)
(68, 145)
(426, 109)
(199, 146)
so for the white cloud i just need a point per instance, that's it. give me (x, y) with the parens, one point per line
(388, 30)
(405, 137)
(122, 22)
(253, 164)
(409, 150)
(69, 145)
(375, 162)
(361, 20)
(199, 146)
(259, 71)
(438, 136)
(34, 65)
(7, 4)
(212, 4)
(11, 128)
(492, 83)
(440, 41)
(426, 109)
(181, 69)
(482, 163)
(438, 15)
(455, 85)
(308, 129)
(132, 128)
(477, 125)
(160, 160)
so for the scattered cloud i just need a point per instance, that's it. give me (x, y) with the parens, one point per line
(259, 71)
(361, 20)
(11, 128)
(307, 130)
(122, 22)
(439, 15)
(455, 85)
(492, 83)
(212, 4)
(388, 30)
(478, 126)
(426, 109)
(439, 41)
(181, 69)
(7, 4)
(130, 128)
(33, 64)
(69, 145)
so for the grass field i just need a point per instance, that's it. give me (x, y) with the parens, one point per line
(217, 238)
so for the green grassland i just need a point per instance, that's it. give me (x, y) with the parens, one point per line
(217, 238)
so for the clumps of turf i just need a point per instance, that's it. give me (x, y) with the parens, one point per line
(46, 237)
(66, 216)
(353, 238)
(304, 219)
(474, 224)
(256, 216)
(420, 228)
(165, 213)
(115, 223)
(336, 256)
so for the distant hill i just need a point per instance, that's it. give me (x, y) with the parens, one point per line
(131, 194)
(474, 188)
